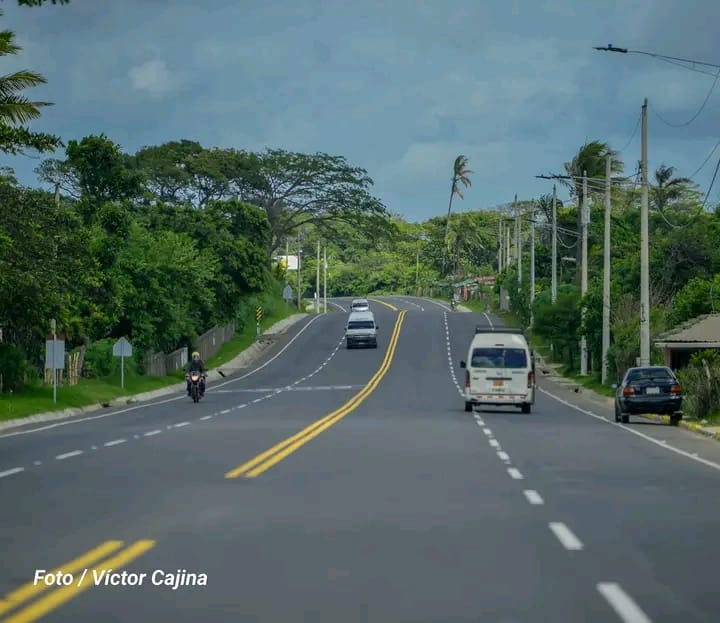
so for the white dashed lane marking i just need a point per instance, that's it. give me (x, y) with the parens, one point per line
(622, 603)
(533, 497)
(152, 433)
(503, 456)
(565, 536)
(114, 442)
(515, 473)
(67, 455)
(10, 472)
(494, 443)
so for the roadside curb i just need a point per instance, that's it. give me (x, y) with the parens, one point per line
(241, 360)
(664, 419)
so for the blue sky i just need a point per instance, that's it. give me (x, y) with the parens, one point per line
(398, 87)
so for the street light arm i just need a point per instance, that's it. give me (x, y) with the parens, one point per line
(611, 48)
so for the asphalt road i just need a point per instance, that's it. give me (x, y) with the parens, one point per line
(397, 507)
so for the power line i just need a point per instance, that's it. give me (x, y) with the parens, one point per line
(696, 115)
(634, 132)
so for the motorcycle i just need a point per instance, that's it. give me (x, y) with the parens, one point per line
(195, 392)
(452, 304)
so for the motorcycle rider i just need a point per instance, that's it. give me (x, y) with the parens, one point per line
(452, 301)
(196, 365)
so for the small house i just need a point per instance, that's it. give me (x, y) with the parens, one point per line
(680, 343)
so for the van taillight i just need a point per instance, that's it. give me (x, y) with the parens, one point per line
(531, 379)
(467, 380)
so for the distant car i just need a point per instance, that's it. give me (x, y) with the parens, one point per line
(648, 389)
(359, 305)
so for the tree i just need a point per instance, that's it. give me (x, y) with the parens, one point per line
(16, 109)
(297, 189)
(590, 159)
(41, 2)
(667, 188)
(460, 176)
(94, 170)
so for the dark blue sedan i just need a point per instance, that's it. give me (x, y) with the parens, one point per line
(648, 389)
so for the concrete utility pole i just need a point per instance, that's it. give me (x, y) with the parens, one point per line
(554, 286)
(508, 255)
(500, 245)
(606, 273)
(299, 284)
(317, 281)
(644, 250)
(325, 267)
(518, 241)
(584, 276)
(532, 268)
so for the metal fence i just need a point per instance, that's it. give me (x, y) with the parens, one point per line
(208, 344)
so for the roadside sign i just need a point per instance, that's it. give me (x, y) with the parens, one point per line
(55, 354)
(122, 348)
(288, 293)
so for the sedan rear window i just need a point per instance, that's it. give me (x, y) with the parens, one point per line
(499, 358)
(650, 374)
(361, 324)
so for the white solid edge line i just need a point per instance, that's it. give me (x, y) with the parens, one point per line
(533, 497)
(14, 470)
(147, 405)
(622, 603)
(565, 536)
(515, 473)
(634, 432)
(67, 455)
(488, 319)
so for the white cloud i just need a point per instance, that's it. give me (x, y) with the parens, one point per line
(153, 77)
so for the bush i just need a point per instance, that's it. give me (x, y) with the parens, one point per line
(100, 361)
(13, 369)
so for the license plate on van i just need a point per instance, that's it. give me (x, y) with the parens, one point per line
(497, 383)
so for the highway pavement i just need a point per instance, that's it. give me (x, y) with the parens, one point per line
(349, 485)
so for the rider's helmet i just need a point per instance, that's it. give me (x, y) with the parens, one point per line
(195, 356)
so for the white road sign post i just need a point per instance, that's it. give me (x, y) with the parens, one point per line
(122, 348)
(55, 355)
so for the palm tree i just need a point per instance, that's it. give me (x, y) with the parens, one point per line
(590, 159)
(460, 176)
(14, 107)
(667, 188)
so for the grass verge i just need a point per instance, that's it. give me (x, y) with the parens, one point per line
(39, 399)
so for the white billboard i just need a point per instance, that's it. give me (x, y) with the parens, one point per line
(289, 262)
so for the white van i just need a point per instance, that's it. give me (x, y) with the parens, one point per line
(361, 328)
(500, 369)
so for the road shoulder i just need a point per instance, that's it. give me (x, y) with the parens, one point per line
(581, 396)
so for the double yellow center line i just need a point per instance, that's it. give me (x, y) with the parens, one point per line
(83, 570)
(278, 452)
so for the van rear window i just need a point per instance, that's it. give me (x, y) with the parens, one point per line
(499, 358)
(361, 324)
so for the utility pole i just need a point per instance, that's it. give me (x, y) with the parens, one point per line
(532, 268)
(606, 273)
(299, 287)
(554, 285)
(518, 243)
(317, 281)
(584, 275)
(325, 267)
(500, 245)
(644, 250)
(508, 256)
